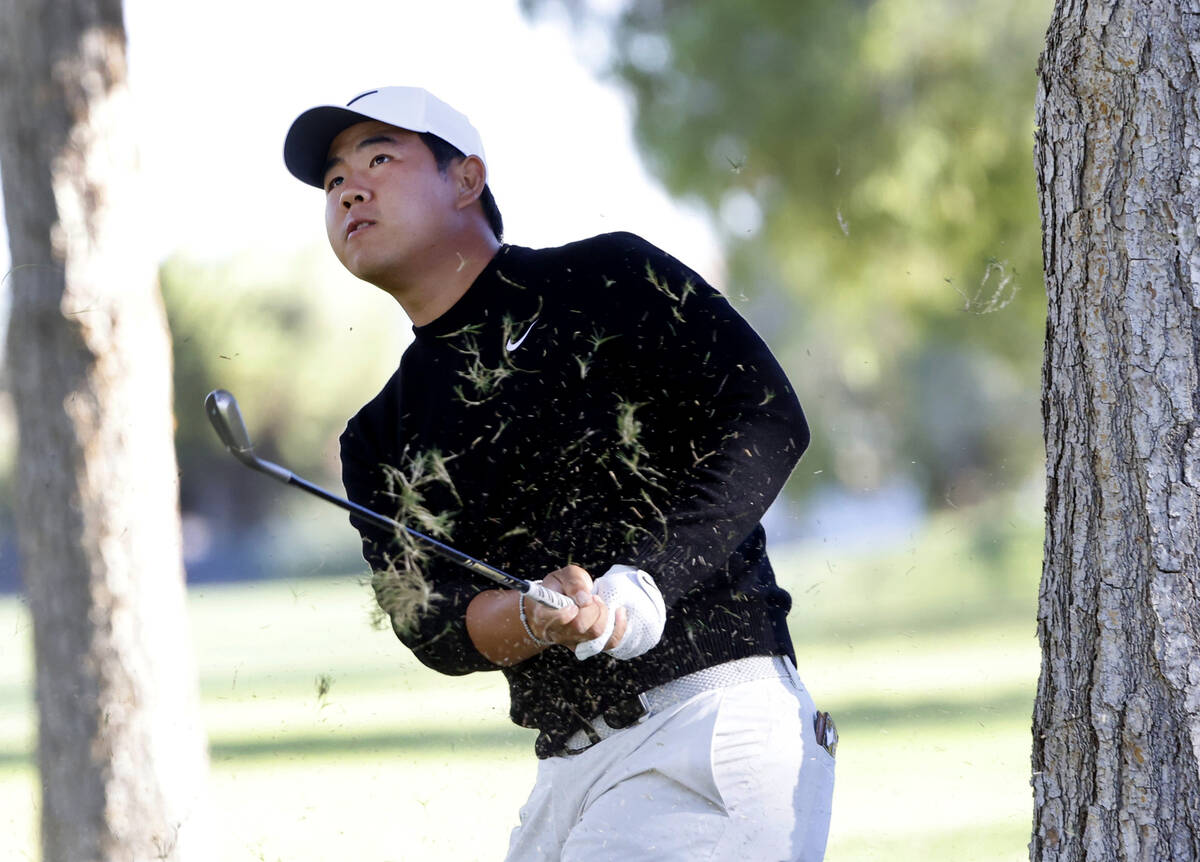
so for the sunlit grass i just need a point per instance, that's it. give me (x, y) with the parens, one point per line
(328, 741)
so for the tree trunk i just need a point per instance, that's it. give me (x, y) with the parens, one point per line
(1116, 749)
(120, 749)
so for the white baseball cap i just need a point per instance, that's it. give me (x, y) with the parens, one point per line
(306, 148)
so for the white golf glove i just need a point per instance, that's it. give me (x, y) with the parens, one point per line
(645, 613)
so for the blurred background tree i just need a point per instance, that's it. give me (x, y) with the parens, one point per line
(869, 166)
(121, 749)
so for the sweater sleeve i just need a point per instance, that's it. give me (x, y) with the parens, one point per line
(423, 597)
(718, 426)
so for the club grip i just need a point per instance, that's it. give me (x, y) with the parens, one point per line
(545, 596)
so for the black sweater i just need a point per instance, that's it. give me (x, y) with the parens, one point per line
(594, 404)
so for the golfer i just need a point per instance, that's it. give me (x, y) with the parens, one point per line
(598, 416)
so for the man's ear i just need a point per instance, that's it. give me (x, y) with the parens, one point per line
(470, 175)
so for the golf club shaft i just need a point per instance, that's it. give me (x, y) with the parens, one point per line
(226, 419)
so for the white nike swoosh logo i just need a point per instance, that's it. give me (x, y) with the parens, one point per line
(511, 345)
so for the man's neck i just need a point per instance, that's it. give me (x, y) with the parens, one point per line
(447, 274)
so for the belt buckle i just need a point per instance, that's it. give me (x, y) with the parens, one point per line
(827, 735)
(627, 713)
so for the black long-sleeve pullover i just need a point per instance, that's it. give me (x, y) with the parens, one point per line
(594, 404)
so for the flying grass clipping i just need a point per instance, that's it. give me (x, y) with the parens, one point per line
(402, 593)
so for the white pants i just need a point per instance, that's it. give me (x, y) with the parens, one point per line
(733, 773)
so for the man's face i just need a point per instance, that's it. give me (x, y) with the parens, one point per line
(387, 208)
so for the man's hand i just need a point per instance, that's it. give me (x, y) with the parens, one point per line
(634, 592)
(585, 620)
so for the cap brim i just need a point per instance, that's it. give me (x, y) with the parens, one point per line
(306, 147)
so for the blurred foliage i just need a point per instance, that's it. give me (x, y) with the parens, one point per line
(962, 567)
(297, 341)
(868, 165)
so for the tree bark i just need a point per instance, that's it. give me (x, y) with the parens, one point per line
(120, 749)
(1116, 748)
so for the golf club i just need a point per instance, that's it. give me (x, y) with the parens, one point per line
(226, 418)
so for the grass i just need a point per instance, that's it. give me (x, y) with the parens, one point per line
(329, 742)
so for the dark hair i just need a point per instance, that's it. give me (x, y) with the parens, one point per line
(443, 154)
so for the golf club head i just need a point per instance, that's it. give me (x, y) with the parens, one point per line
(226, 419)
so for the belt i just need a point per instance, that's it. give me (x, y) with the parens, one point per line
(637, 709)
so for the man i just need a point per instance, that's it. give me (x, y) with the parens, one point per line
(599, 415)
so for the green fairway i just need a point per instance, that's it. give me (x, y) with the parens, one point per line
(329, 742)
